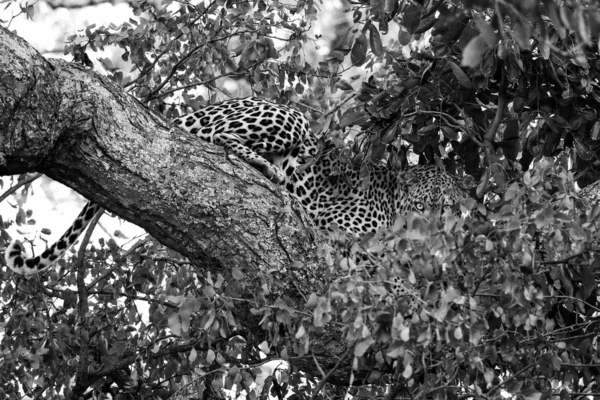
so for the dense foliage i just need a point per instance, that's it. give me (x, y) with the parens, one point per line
(505, 92)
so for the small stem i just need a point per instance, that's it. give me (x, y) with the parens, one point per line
(331, 371)
(19, 184)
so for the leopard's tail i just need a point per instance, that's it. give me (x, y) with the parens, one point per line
(17, 260)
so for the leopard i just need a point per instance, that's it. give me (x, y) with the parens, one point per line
(277, 140)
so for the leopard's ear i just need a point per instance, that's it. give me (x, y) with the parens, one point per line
(16, 257)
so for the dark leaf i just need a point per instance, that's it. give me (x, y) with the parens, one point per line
(551, 142)
(353, 116)
(463, 79)
(404, 37)
(358, 55)
(510, 142)
(588, 280)
(594, 134)
(390, 5)
(377, 152)
(583, 150)
(484, 184)
(411, 18)
(375, 41)
(450, 133)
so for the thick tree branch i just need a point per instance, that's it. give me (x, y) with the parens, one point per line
(80, 129)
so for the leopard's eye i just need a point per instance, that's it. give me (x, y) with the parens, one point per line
(419, 206)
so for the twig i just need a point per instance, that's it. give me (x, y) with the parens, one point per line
(564, 260)
(323, 375)
(79, 266)
(134, 297)
(168, 92)
(118, 262)
(338, 106)
(173, 260)
(22, 183)
(580, 365)
(498, 386)
(331, 371)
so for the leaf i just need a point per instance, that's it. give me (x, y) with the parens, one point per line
(237, 274)
(193, 355)
(395, 352)
(344, 85)
(411, 19)
(301, 332)
(353, 116)
(208, 291)
(358, 54)
(489, 376)
(595, 131)
(583, 150)
(312, 300)
(362, 346)
(450, 133)
(404, 37)
(484, 184)
(473, 53)
(174, 324)
(389, 5)
(510, 143)
(377, 152)
(511, 192)
(264, 347)
(405, 334)
(587, 278)
(531, 394)
(463, 79)
(458, 333)
(375, 41)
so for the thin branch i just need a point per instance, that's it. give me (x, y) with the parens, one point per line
(331, 371)
(133, 297)
(503, 383)
(173, 260)
(491, 133)
(323, 375)
(564, 260)
(191, 85)
(153, 95)
(118, 262)
(19, 184)
(82, 376)
(338, 106)
(80, 266)
(580, 365)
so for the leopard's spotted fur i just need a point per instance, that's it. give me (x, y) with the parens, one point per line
(276, 139)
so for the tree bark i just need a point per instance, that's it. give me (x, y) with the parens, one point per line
(82, 130)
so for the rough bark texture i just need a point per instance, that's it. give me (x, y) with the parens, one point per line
(82, 130)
